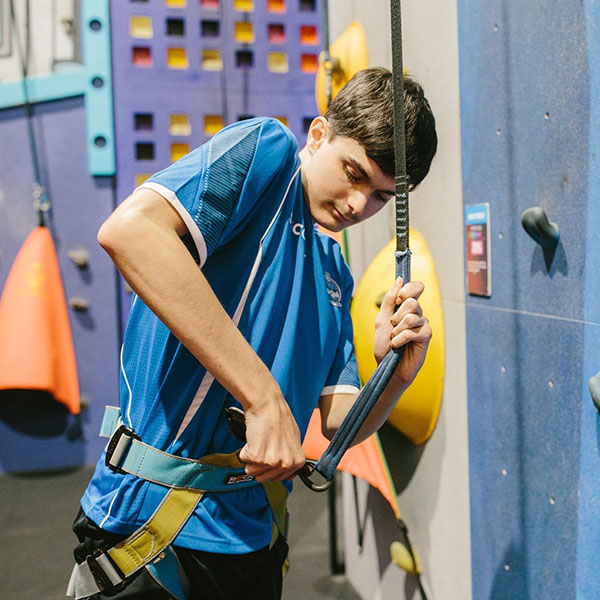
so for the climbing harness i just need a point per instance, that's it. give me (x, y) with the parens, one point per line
(187, 480)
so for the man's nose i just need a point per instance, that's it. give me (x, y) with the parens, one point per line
(357, 202)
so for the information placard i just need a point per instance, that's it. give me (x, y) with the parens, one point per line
(477, 229)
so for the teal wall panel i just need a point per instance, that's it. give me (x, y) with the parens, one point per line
(92, 79)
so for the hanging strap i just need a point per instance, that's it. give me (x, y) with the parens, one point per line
(328, 62)
(373, 389)
(41, 202)
(401, 177)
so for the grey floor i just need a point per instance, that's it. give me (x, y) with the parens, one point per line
(36, 511)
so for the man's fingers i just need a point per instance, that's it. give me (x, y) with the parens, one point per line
(410, 321)
(275, 475)
(266, 469)
(420, 334)
(389, 299)
(409, 306)
(414, 289)
(243, 454)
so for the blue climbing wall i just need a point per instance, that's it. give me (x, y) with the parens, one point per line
(530, 128)
(72, 122)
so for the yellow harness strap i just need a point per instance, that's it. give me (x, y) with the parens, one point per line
(277, 495)
(145, 544)
(157, 533)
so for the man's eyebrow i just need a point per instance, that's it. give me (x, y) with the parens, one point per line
(366, 177)
(360, 169)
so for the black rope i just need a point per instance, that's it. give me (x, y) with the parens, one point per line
(41, 203)
(402, 188)
(401, 177)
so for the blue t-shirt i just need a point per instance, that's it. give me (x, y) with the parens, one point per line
(288, 290)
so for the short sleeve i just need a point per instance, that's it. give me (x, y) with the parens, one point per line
(215, 187)
(343, 375)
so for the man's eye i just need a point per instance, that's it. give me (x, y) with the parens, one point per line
(383, 198)
(350, 176)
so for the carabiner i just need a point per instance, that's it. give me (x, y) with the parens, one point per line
(305, 474)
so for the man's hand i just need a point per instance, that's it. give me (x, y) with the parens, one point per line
(273, 451)
(403, 326)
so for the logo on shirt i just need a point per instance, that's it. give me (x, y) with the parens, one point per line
(234, 478)
(297, 229)
(333, 291)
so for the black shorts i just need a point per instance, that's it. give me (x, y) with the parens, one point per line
(253, 576)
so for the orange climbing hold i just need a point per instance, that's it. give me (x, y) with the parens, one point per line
(36, 346)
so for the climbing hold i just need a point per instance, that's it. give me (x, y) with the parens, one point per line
(539, 228)
(79, 304)
(594, 385)
(349, 55)
(401, 557)
(80, 257)
(416, 415)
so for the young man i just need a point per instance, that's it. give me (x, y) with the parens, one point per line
(241, 301)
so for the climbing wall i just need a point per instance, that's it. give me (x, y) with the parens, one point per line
(72, 124)
(529, 97)
(183, 70)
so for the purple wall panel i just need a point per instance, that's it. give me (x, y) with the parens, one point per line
(233, 92)
(38, 434)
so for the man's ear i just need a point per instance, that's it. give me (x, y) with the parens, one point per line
(317, 133)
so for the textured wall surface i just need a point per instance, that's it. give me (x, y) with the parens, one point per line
(529, 137)
(183, 73)
(40, 435)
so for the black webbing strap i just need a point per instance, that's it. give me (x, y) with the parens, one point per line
(373, 389)
(402, 181)
(327, 60)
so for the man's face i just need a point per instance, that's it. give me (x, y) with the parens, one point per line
(342, 185)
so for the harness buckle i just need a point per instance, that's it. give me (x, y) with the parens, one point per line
(117, 447)
(105, 574)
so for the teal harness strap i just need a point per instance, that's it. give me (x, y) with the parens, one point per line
(167, 572)
(126, 453)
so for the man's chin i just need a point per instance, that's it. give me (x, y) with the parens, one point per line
(331, 225)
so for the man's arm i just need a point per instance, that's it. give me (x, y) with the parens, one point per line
(393, 328)
(142, 237)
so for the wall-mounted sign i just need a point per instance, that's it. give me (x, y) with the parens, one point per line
(477, 228)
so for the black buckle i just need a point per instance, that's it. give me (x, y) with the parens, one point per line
(121, 431)
(100, 577)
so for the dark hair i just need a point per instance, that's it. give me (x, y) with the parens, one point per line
(364, 111)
